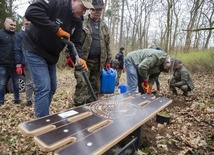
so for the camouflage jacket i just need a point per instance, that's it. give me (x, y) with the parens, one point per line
(104, 41)
(182, 77)
(149, 63)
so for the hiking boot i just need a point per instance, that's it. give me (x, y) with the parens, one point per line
(174, 92)
(185, 93)
(17, 101)
(78, 104)
(29, 103)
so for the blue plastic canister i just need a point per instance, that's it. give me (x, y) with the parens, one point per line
(108, 80)
(122, 88)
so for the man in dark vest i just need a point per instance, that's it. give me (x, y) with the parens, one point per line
(120, 57)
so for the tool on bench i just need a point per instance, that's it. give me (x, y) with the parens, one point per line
(73, 49)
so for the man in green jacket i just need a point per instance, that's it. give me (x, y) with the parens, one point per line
(148, 63)
(181, 78)
(96, 52)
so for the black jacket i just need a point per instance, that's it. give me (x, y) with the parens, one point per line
(120, 57)
(7, 39)
(46, 17)
(19, 57)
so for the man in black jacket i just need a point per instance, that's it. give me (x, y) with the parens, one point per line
(50, 21)
(21, 66)
(120, 57)
(7, 59)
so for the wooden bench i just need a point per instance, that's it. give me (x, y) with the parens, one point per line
(93, 128)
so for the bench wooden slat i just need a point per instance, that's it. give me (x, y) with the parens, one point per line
(102, 140)
(93, 128)
(59, 137)
(50, 122)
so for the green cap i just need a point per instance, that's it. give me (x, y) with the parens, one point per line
(98, 4)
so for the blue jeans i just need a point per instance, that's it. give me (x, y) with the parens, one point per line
(44, 79)
(4, 74)
(131, 75)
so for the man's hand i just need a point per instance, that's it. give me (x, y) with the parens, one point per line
(19, 69)
(63, 34)
(107, 65)
(83, 64)
(69, 61)
(146, 88)
(123, 70)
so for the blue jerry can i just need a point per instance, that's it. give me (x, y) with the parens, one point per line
(122, 88)
(108, 80)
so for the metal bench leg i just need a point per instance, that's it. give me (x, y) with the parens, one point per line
(134, 142)
(137, 133)
(127, 146)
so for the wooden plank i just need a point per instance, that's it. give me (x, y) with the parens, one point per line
(51, 122)
(104, 110)
(102, 140)
(47, 123)
(93, 128)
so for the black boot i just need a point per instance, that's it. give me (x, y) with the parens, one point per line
(185, 93)
(174, 92)
(29, 103)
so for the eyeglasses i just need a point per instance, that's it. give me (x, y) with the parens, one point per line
(96, 9)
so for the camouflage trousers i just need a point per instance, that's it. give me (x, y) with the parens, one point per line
(119, 72)
(82, 93)
(185, 88)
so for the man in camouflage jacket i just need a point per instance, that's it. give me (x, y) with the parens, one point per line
(96, 52)
(181, 78)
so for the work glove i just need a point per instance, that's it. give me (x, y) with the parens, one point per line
(63, 34)
(69, 61)
(145, 86)
(19, 69)
(82, 66)
(107, 65)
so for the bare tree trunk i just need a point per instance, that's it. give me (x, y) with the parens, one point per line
(211, 23)
(169, 4)
(175, 27)
(193, 14)
(121, 24)
(106, 1)
(113, 8)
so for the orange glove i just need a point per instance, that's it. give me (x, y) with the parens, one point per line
(146, 87)
(63, 34)
(19, 69)
(69, 61)
(83, 64)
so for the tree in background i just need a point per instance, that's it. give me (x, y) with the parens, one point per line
(137, 23)
(5, 12)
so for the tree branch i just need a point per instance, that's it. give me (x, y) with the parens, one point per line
(200, 29)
